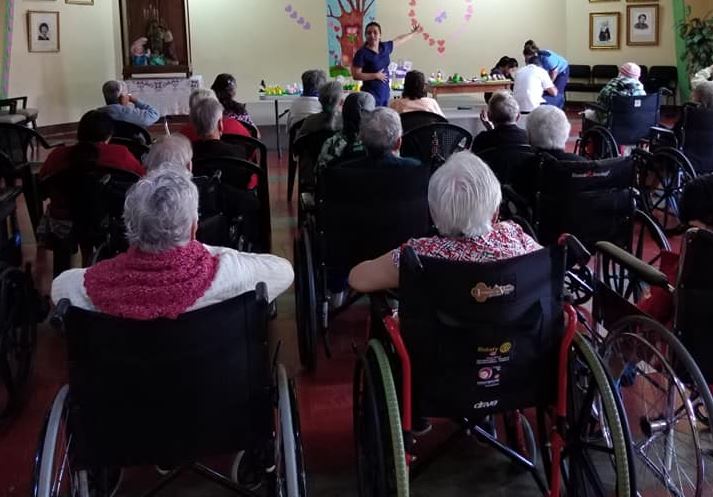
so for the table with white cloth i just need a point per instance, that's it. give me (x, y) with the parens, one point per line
(168, 95)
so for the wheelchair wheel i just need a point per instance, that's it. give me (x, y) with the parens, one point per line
(579, 284)
(18, 335)
(381, 458)
(52, 473)
(661, 388)
(305, 301)
(290, 478)
(596, 460)
(597, 143)
(520, 436)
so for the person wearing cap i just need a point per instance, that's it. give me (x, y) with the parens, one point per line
(626, 84)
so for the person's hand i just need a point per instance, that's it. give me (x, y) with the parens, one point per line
(485, 119)
(133, 99)
(416, 27)
(381, 76)
(124, 99)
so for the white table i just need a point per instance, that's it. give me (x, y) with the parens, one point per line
(168, 95)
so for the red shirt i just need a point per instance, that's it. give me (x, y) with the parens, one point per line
(230, 127)
(110, 155)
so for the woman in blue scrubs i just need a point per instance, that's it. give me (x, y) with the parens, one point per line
(557, 67)
(371, 62)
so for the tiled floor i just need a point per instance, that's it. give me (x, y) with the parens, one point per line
(324, 399)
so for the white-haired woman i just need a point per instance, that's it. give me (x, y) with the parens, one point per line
(166, 272)
(464, 197)
(230, 126)
(548, 130)
(172, 151)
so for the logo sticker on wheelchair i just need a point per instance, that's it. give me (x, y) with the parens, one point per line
(481, 292)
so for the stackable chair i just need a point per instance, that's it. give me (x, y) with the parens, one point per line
(247, 211)
(133, 132)
(306, 149)
(291, 160)
(169, 392)
(629, 121)
(663, 376)
(433, 143)
(473, 340)
(138, 149)
(20, 310)
(357, 214)
(418, 118)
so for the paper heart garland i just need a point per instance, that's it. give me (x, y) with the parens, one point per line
(440, 44)
(295, 16)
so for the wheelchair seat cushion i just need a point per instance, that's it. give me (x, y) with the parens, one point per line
(143, 285)
(504, 241)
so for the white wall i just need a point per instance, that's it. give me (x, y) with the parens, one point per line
(257, 40)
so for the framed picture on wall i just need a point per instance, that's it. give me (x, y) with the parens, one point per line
(80, 2)
(642, 24)
(42, 31)
(604, 30)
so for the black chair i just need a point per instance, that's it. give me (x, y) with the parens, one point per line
(252, 129)
(434, 143)
(251, 149)
(644, 75)
(580, 79)
(248, 211)
(17, 111)
(291, 160)
(169, 392)
(473, 340)
(662, 77)
(601, 74)
(137, 148)
(359, 215)
(131, 131)
(307, 149)
(418, 118)
(512, 164)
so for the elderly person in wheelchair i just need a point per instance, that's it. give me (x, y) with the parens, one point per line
(173, 151)
(464, 197)
(166, 272)
(548, 130)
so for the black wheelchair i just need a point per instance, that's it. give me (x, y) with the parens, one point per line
(629, 121)
(20, 310)
(357, 214)
(306, 150)
(418, 118)
(246, 211)
(663, 377)
(169, 392)
(432, 144)
(474, 340)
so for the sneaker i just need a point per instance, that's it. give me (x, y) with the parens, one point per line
(421, 426)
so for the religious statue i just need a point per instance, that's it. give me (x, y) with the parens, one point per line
(139, 57)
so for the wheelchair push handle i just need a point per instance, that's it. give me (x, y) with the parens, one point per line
(58, 313)
(644, 271)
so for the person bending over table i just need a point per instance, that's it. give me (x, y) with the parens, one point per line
(371, 62)
(557, 67)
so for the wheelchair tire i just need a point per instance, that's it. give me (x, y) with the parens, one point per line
(305, 301)
(18, 336)
(290, 478)
(597, 142)
(381, 457)
(520, 436)
(647, 359)
(596, 456)
(53, 476)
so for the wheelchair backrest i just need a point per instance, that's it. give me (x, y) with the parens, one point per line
(131, 131)
(693, 297)
(365, 212)
(169, 390)
(251, 149)
(592, 200)
(433, 143)
(697, 138)
(630, 118)
(418, 118)
(307, 149)
(482, 337)
(514, 165)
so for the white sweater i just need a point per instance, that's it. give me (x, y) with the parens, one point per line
(238, 272)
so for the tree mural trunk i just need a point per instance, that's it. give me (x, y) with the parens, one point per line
(351, 23)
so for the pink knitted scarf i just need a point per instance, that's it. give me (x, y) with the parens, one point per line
(144, 285)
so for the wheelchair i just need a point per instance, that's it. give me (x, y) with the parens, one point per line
(432, 144)
(474, 340)
(20, 310)
(169, 392)
(418, 118)
(357, 214)
(662, 376)
(629, 121)
(246, 211)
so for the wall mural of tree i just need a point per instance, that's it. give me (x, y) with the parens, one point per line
(345, 31)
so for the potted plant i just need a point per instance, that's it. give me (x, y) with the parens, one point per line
(697, 35)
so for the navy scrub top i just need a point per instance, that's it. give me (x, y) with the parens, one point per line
(372, 62)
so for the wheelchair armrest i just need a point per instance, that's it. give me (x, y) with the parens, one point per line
(645, 272)
(576, 252)
(58, 313)
(307, 201)
(654, 229)
(666, 92)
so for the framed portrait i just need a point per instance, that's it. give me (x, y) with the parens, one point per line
(80, 2)
(596, 1)
(642, 24)
(42, 31)
(604, 30)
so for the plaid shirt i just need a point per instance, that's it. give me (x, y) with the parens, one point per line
(618, 87)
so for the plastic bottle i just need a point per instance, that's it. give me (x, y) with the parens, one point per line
(439, 76)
